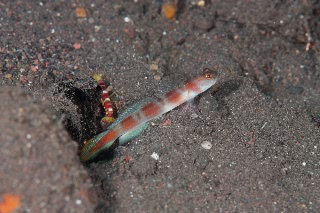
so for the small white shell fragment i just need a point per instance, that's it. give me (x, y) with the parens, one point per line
(201, 3)
(206, 145)
(194, 116)
(155, 156)
(126, 19)
(78, 202)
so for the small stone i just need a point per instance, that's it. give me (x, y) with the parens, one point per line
(34, 68)
(154, 67)
(28, 136)
(201, 3)
(81, 12)
(97, 28)
(194, 116)
(127, 19)
(91, 20)
(78, 202)
(167, 122)
(77, 46)
(206, 145)
(169, 10)
(155, 156)
(157, 77)
(8, 75)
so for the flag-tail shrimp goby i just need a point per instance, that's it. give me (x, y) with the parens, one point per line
(135, 119)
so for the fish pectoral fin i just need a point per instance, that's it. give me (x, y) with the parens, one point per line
(132, 134)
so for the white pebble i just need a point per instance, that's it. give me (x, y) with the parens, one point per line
(201, 3)
(127, 19)
(194, 115)
(155, 156)
(206, 145)
(78, 202)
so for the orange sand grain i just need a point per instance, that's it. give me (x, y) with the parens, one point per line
(9, 203)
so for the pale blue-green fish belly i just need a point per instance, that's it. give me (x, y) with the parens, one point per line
(132, 134)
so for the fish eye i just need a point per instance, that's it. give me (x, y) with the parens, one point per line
(208, 75)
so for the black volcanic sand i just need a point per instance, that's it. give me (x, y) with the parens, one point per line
(262, 118)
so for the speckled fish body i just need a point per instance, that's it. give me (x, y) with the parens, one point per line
(135, 119)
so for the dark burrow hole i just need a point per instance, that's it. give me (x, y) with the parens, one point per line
(80, 108)
(82, 113)
(83, 123)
